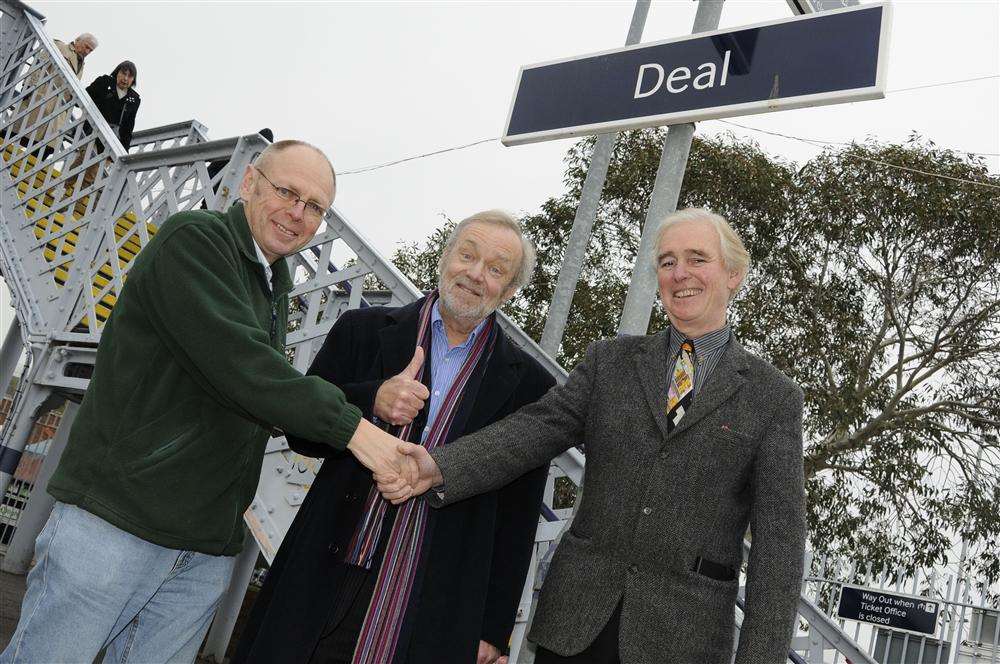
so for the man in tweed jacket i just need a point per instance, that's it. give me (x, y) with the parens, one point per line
(649, 571)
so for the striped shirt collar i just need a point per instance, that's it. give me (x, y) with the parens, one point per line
(704, 345)
(438, 325)
(263, 261)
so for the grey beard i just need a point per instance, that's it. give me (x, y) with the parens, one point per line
(465, 314)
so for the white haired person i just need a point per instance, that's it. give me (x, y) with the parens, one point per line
(75, 53)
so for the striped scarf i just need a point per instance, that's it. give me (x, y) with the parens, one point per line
(379, 634)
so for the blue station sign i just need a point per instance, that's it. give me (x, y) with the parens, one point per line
(822, 58)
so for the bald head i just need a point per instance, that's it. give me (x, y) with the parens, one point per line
(285, 195)
(267, 157)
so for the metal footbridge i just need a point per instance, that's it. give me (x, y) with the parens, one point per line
(66, 248)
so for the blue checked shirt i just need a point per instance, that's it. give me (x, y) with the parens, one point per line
(445, 363)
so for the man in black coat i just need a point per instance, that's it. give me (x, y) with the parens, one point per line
(317, 601)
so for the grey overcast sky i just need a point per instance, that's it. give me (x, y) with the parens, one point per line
(378, 81)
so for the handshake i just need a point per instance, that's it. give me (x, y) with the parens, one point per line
(401, 470)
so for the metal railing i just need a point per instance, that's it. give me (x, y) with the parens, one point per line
(169, 136)
(54, 146)
(967, 630)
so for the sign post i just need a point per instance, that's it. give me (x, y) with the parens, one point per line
(583, 220)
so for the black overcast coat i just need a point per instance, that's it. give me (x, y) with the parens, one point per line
(476, 553)
(119, 112)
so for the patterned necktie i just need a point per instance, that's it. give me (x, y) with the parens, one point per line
(681, 391)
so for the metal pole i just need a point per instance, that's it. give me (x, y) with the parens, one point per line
(666, 191)
(522, 651)
(10, 353)
(18, 426)
(586, 213)
(229, 608)
(36, 512)
(955, 629)
(569, 274)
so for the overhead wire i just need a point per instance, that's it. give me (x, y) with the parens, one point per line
(810, 141)
(820, 143)
(938, 85)
(366, 169)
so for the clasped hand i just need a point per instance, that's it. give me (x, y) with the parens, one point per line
(401, 470)
(414, 473)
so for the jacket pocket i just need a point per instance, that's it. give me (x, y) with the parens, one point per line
(731, 448)
(164, 451)
(731, 437)
(161, 438)
(182, 478)
(714, 570)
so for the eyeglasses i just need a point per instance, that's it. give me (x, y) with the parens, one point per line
(311, 209)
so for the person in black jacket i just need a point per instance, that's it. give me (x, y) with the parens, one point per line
(405, 367)
(115, 97)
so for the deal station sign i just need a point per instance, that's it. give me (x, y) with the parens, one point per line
(822, 58)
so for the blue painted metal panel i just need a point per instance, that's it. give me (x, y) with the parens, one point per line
(820, 58)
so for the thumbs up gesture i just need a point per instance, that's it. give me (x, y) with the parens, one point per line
(400, 398)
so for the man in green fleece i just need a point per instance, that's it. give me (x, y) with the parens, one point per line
(166, 450)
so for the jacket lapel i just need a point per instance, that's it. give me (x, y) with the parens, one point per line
(654, 367)
(724, 382)
(651, 365)
(398, 341)
(499, 379)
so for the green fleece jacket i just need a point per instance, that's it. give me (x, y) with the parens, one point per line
(190, 376)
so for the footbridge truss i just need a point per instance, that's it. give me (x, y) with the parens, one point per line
(66, 248)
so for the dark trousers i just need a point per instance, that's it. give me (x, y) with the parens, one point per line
(604, 649)
(347, 615)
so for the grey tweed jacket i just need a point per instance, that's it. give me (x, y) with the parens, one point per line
(655, 502)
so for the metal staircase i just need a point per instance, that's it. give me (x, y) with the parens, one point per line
(66, 248)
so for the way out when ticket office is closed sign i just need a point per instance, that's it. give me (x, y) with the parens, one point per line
(903, 612)
(822, 58)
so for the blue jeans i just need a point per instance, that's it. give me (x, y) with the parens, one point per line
(95, 586)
